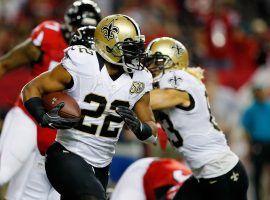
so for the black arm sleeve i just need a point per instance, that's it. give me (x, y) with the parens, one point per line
(35, 107)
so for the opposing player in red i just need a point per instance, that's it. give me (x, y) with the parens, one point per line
(151, 179)
(22, 141)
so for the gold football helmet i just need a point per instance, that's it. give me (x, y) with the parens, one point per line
(164, 54)
(119, 41)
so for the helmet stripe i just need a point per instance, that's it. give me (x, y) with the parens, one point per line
(137, 28)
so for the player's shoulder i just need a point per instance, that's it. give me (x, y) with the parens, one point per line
(178, 74)
(143, 76)
(80, 59)
(46, 32)
(142, 82)
(49, 25)
(80, 54)
(178, 79)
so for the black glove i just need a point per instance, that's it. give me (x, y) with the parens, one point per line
(142, 130)
(51, 119)
(129, 118)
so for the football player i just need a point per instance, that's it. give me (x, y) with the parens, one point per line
(151, 179)
(84, 36)
(186, 116)
(107, 84)
(22, 141)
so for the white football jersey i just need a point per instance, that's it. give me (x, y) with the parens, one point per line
(130, 185)
(193, 130)
(98, 96)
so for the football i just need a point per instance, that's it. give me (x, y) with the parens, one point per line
(71, 108)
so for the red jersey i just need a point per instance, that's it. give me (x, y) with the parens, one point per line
(49, 38)
(164, 172)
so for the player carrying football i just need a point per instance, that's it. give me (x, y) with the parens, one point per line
(22, 141)
(107, 84)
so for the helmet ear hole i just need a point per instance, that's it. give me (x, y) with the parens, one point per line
(108, 49)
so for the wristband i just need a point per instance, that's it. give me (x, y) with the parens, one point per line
(144, 133)
(35, 107)
(151, 139)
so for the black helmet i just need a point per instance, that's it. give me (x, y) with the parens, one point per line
(84, 36)
(82, 13)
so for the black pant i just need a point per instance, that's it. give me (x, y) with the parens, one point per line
(73, 177)
(260, 156)
(230, 186)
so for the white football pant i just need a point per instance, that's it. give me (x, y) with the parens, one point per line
(20, 160)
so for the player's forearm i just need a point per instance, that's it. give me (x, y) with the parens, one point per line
(2, 70)
(31, 90)
(12, 60)
(167, 98)
(21, 55)
(32, 100)
(50, 81)
(34, 90)
(158, 100)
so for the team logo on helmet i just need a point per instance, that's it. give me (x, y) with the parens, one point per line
(77, 37)
(178, 49)
(137, 87)
(109, 30)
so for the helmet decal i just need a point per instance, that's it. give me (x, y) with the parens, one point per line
(165, 54)
(178, 49)
(118, 41)
(109, 29)
(84, 36)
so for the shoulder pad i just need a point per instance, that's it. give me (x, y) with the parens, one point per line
(80, 54)
(50, 25)
(174, 79)
(43, 30)
(80, 59)
(144, 77)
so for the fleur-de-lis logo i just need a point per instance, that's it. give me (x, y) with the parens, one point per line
(109, 30)
(54, 99)
(234, 177)
(77, 37)
(178, 49)
(175, 81)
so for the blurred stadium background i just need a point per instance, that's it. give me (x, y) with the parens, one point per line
(230, 39)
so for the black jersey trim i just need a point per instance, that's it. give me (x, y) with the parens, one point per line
(101, 62)
(70, 84)
(190, 107)
(131, 75)
(137, 28)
